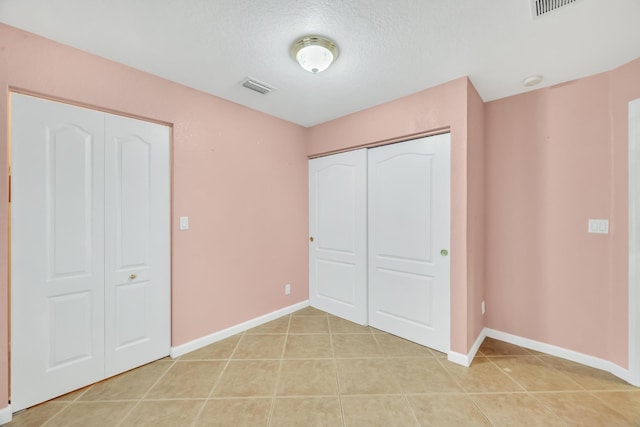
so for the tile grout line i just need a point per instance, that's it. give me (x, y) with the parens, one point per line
(139, 401)
(335, 366)
(277, 382)
(464, 390)
(217, 381)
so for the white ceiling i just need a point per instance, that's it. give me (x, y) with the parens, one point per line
(388, 48)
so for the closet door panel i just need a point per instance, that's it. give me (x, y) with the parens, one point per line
(409, 234)
(57, 249)
(338, 235)
(137, 316)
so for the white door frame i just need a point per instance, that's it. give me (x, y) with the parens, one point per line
(634, 242)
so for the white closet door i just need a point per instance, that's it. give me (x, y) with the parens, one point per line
(338, 227)
(138, 254)
(409, 234)
(57, 249)
(90, 247)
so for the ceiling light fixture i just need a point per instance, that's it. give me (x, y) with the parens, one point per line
(314, 53)
(532, 81)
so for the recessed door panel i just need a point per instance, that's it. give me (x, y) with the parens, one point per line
(132, 201)
(131, 316)
(392, 288)
(336, 184)
(336, 281)
(403, 181)
(338, 235)
(69, 200)
(70, 329)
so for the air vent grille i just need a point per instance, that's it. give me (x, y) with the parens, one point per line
(257, 86)
(542, 7)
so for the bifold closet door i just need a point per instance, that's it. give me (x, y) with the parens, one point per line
(57, 249)
(90, 254)
(138, 247)
(338, 235)
(409, 234)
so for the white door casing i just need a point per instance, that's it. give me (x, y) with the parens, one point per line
(338, 226)
(57, 249)
(90, 209)
(409, 237)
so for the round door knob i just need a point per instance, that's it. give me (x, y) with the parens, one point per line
(311, 239)
(444, 252)
(133, 276)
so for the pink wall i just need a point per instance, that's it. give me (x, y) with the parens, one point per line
(240, 175)
(556, 157)
(442, 107)
(475, 214)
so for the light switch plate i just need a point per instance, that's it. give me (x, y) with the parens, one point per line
(184, 223)
(599, 226)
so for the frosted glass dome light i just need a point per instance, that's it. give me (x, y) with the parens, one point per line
(314, 53)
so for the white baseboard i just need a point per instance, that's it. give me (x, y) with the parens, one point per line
(574, 356)
(466, 359)
(236, 329)
(5, 414)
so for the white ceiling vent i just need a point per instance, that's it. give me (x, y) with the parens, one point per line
(542, 7)
(257, 86)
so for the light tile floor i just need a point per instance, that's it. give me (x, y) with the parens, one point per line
(314, 369)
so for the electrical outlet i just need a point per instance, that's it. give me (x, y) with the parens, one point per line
(483, 307)
(287, 289)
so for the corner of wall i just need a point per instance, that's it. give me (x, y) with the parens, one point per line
(476, 214)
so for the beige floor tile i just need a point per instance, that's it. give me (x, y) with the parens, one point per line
(422, 375)
(309, 325)
(219, 350)
(277, 326)
(587, 377)
(535, 375)
(377, 411)
(366, 376)
(307, 377)
(626, 403)
(306, 411)
(128, 386)
(308, 347)
(90, 414)
(515, 409)
(481, 377)
(582, 409)
(355, 345)
(447, 411)
(187, 380)
(493, 347)
(342, 326)
(309, 311)
(235, 413)
(396, 346)
(248, 378)
(37, 415)
(260, 347)
(163, 413)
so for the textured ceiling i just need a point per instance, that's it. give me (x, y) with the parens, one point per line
(388, 48)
